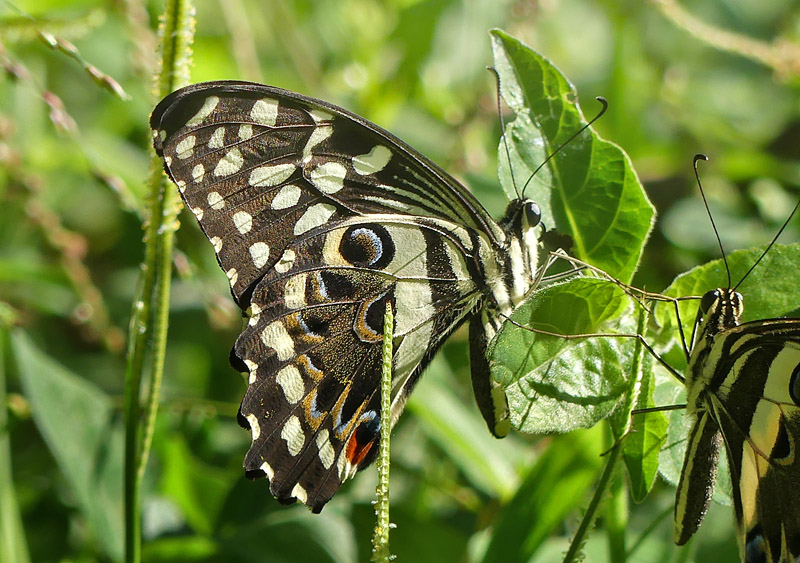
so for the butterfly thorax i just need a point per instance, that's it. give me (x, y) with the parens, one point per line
(519, 258)
(720, 310)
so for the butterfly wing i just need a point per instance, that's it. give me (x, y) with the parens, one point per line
(257, 163)
(755, 398)
(319, 219)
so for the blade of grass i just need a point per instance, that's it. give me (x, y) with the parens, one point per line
(12, 535)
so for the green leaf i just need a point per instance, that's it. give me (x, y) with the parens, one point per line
(556, 486)
(767, 291)
(198, 489)
(589, 189)
(80, 425)
(294, 535)
(641, 448)
(554, 384)
(460, 431)
(641, 436)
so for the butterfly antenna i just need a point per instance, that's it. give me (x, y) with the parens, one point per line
(772, 242)
(600, 99)
(695, 160)
(503, 127)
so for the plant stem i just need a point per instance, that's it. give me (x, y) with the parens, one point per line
(380, 539)
(150, 316)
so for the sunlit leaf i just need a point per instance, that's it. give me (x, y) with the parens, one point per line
(589, 189)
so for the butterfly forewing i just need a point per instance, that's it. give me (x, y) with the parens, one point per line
(320, 218)
(265, 163)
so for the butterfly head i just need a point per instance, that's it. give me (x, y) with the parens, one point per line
(720, 309)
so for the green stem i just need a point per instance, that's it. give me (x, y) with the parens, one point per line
(380, 539)
(149, 319)
(591, 511)
(12, 535)
(617, 521)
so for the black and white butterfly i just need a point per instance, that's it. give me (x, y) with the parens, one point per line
(319, 218)
(743, 389)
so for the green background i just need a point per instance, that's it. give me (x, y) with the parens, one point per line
(73, 164)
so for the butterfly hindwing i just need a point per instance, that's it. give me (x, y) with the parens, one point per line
(313, 348)
(319, 218)
(759, 413)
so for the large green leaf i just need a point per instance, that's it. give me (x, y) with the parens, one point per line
(554, 384)
(767, 291)
(458, 429)
(79, 423)
(556, 486)
(589, 189)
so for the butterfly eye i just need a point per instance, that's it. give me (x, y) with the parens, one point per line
(533, 215)
(709, 299)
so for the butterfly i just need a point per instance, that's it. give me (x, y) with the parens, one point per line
(320, 218)
(743, 390)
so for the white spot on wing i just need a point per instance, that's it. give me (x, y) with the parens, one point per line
(265, 112)
(288, 196)
(233, 275)
(209, 105)
(255, 428)
(299, 493)
(198, 172)
(181, 185)
(326, 454)
(217, 140)
(294, 294)
(372, 162)
(270, 175)
(276, 337)
(217, 243)
(345, 468)
(291, 383)
(259, 251)
(317, 136)
(286, 261)
(292, 432)
(185, 148)
(315, 216)
(328, 177)
(267, 469)
(252, 367)
(230, 163)
(243, 222)
(198, 212)
(254, 312)
(215, 200)
(319, 116)
(245, 131)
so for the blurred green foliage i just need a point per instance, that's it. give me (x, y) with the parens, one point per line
(74, 162)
